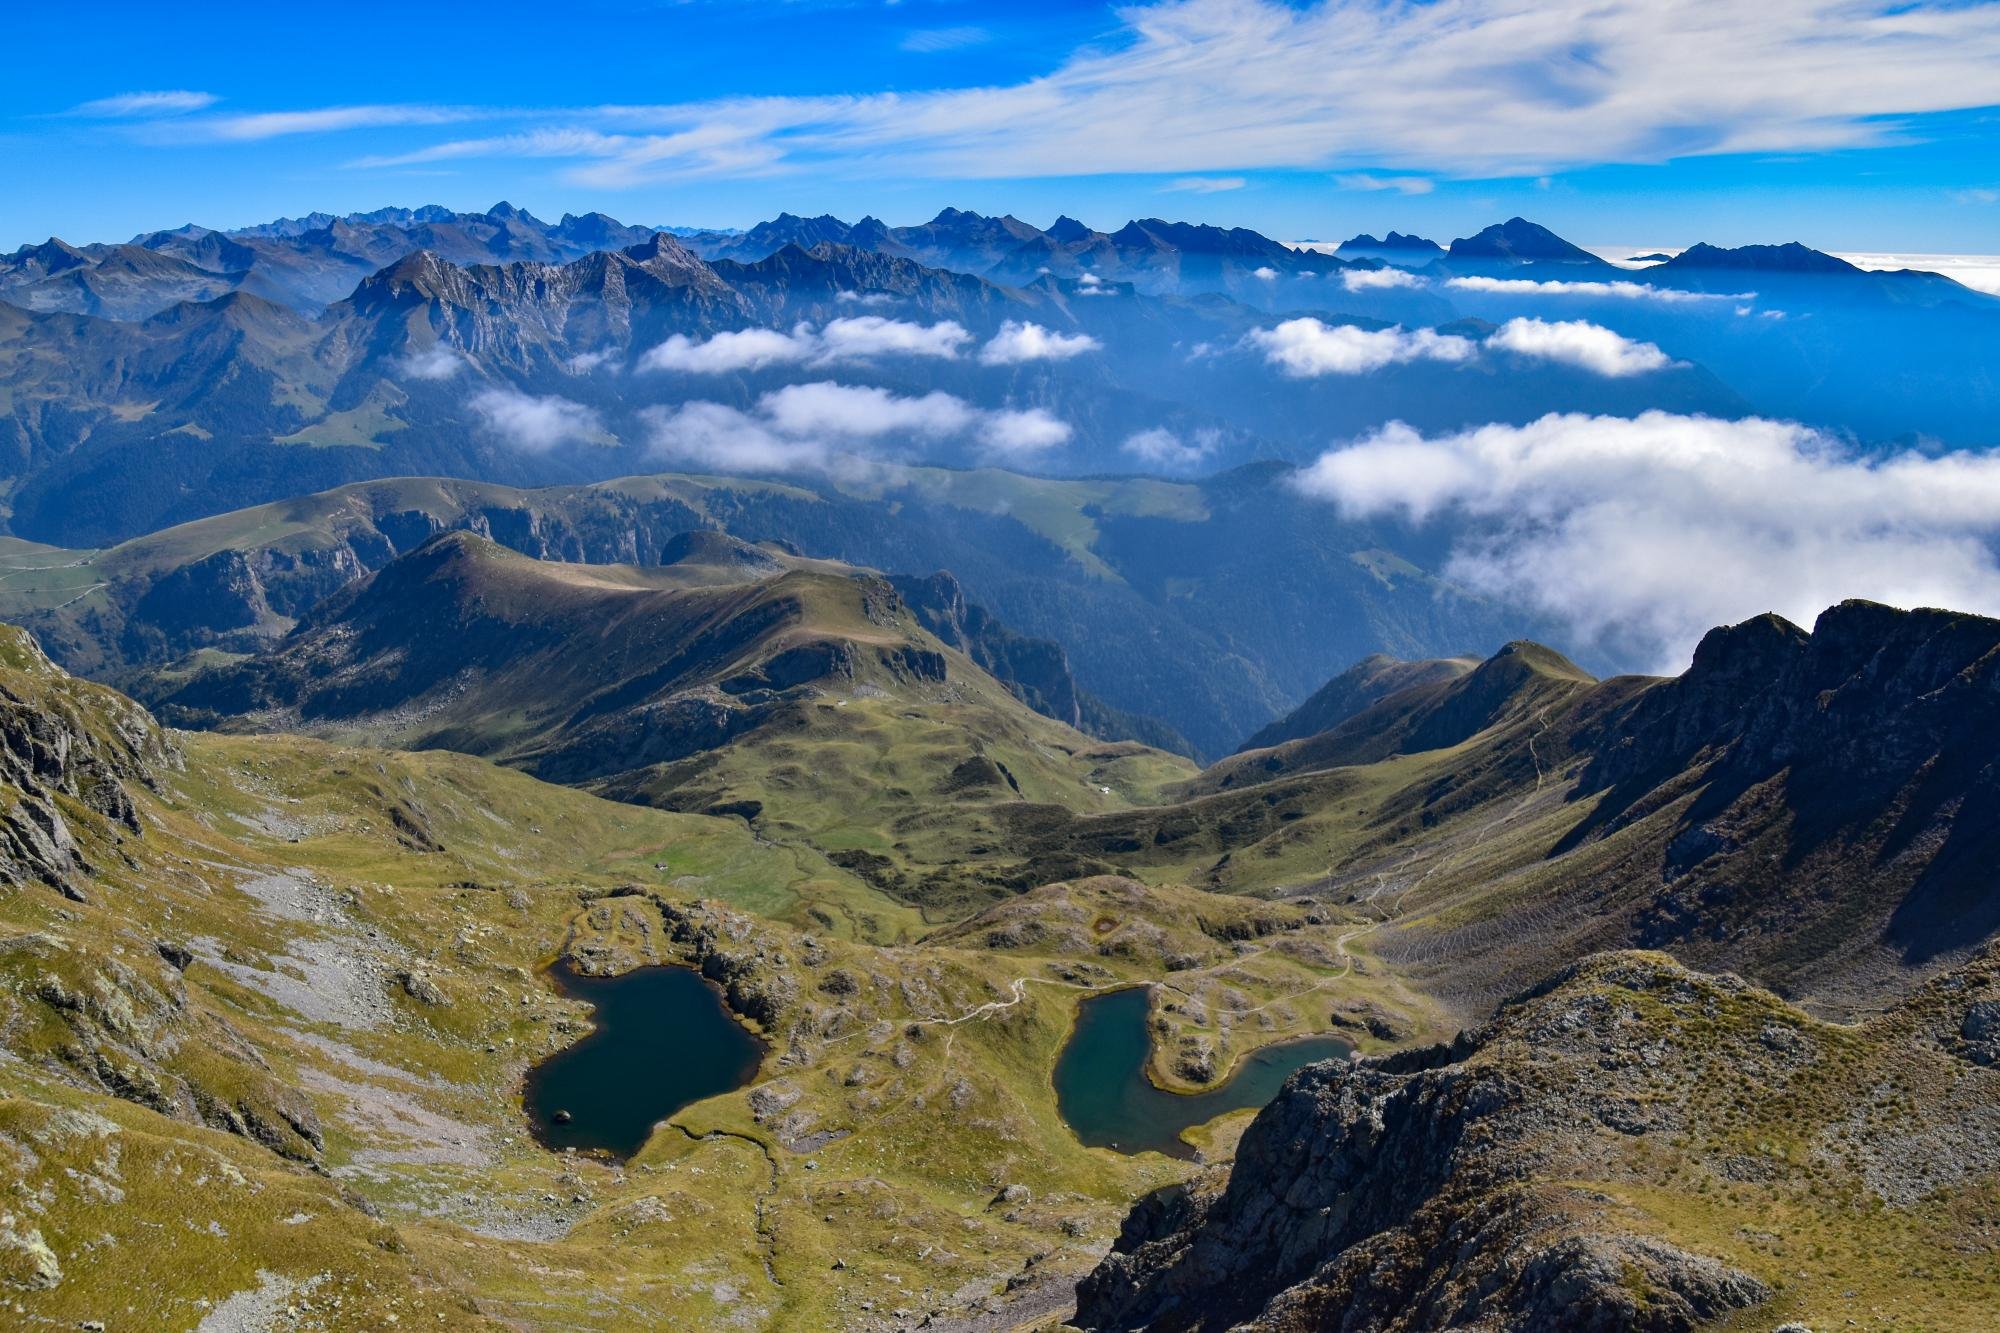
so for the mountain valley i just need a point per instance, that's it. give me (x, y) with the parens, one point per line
(236, 952)
(987, 778)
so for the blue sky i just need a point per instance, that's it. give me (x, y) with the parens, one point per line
(1842, 123)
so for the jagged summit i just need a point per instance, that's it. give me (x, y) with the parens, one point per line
(51, 256)
(1394, 241)
(506, 212)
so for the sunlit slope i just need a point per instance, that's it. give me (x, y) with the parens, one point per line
(801, 695)
(1815, 810)
(269, 1013)
(1213, 605)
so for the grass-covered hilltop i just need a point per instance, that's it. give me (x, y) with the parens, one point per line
(1674, 1001)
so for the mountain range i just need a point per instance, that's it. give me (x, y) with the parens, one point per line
(1813, 808)
(180, 375)
(936, 654)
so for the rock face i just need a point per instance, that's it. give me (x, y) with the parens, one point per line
(72, 754)
(63, 743)
(1853, 766)
(130, 1030)
(1037, 671)
(1411, 1192)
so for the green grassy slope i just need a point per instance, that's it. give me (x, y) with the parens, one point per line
(1214, 606)
(799, 694)
(270, 1048)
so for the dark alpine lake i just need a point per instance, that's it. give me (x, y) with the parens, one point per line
(662, 1040)
(1105, 1097)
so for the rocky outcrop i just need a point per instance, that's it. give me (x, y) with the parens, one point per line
(129, 1030)
(1853, 767)
(67, 749)
(1414, 1191)
(1036, 670)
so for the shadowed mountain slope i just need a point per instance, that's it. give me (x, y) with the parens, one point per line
(1368, 681)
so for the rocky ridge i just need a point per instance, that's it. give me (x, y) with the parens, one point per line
(67, 748)
(1512, 1179)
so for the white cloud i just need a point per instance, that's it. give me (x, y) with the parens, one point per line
(436, 362)
(1164, 449)
(865, 298)
(1089, 280)
(261, 125)
(1306, 347)
(859, 338)
(124, 105)
(535, 423)
(585, 363)
(737, 349)
(1017, 342)
(1977, 195)
(1617, 288)
(830, 427)
(1204, 184)
(1015, 436)
(569, 142)
(862, 336)
(1266, 273)
(1400, 184)
(1378, 279)
(711, 435)
(1979, 272)
(1640, 535)
(1576, 342)
(857, 413)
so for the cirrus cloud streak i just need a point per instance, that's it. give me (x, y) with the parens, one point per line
(1200, 87)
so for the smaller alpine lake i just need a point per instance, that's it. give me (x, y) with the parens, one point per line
(1108, 1101)
(662, 1039)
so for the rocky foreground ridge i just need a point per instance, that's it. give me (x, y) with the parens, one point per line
(1578, 1163)
(65, 746)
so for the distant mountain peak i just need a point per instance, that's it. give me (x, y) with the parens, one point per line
(47, 259)
(1395, 240)
(1521, 240)
(1066, 229)
(425, 273)
(1791, 257)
